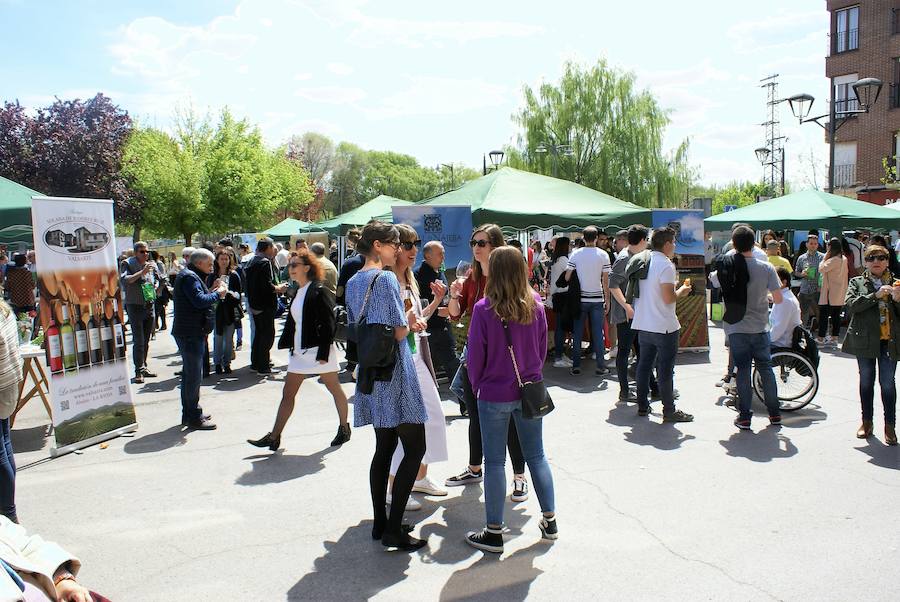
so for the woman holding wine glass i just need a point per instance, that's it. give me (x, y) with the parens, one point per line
(464, 294)
(435, 426)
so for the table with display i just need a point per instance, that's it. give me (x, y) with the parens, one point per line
(33, 369)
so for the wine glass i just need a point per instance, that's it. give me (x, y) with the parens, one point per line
(424, 303)
(463, 269)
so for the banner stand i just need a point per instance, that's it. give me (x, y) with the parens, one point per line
(55, 452)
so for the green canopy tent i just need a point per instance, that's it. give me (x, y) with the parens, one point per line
(526, 201)
(343, 223)
(283, 231)
(808, 209)
(15, 213)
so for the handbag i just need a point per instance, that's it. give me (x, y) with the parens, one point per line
(376, 346)
(536, 402)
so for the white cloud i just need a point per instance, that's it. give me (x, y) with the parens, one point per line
(728, 170)
(332, 94)
(302, 77)
(340, 68)
(724, 136)
(441, 96)
(780, 31)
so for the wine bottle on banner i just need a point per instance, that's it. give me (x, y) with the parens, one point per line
(118, 330)
(94, 339)
(54, 349)
(81, 339)
(67, 339)
(106, 335)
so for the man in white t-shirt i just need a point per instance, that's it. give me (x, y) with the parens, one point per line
(592, 266)
(654, 318)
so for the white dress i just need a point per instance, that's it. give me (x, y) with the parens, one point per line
(303, 361)
(436, 425)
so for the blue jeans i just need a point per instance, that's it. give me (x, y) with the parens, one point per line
(193, 355)
(223, 345)
(250, 318)
(494, 418)
(657, 349)
(746, 349)
(7, 473)
(559, 338)
(597, 314)
(886, 369)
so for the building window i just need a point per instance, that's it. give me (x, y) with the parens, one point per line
(894, 89)
(844, 164)
(846, 29)
(895, 20)
(845, 100)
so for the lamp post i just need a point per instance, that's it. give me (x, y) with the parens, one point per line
(762, 154)
(496, 159)
(555, 151)
(450, 167)
(866, 91)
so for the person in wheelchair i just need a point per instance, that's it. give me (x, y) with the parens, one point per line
(785, 316)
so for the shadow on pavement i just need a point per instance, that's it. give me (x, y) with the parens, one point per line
(278, 467)
(159, 386)
(803, 418)
(644, 431)
(885, 456)
(687, 358)
(505, 579)
(353, 568)
(30, 439)
(174, 436)
(762, 446)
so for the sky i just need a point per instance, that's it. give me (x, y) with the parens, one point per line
(439, 81)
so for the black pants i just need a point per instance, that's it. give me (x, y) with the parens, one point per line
(625, 339)
(476, 452)
(413, 438)
(262, 340)
(834, 313)
(141, 320)
(161, 315)
(443, 350)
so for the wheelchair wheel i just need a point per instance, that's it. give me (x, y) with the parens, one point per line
(796, 380)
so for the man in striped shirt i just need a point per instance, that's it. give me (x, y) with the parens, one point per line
(592, 266)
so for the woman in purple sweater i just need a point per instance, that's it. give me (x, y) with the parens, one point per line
(508, 298)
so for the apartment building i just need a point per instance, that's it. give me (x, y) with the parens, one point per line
(864, 42)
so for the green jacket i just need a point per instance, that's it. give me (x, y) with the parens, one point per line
(863, 337)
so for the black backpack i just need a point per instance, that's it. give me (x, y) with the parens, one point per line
(804, 343)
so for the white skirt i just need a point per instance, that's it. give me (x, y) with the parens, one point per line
(435, 426)
(303, 361)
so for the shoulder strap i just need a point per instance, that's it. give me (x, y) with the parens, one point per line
(512, 355)
(366, 300)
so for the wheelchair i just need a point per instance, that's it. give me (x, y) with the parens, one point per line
(796, 378)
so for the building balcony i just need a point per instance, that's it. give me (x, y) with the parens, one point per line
(845, 175)
(894, 95)
(895, 21)
(844, 41)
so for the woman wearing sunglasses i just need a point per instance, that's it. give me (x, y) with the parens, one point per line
(463, 297)
(393, 407)
(435, 426)
(874, 338)
(309, 335)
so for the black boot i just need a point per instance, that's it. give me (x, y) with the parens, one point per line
(343, 435)
(269, 441)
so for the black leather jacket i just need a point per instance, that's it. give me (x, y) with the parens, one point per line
(318, 322)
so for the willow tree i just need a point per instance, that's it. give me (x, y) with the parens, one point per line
(596, 128)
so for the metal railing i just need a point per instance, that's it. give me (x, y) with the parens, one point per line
(846, 105)
(844, 175)
(845, 40)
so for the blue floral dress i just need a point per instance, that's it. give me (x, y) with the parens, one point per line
(398, 401)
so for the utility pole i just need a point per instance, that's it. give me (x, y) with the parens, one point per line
(774, 167)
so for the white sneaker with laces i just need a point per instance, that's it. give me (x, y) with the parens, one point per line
(563, 362)
(412, 504)
(428, 487)
(520, 490)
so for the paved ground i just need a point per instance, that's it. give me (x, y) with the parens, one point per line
(646, 511)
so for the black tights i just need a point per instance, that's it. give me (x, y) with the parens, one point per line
(476, 452)
(413, 438)
(834, 313)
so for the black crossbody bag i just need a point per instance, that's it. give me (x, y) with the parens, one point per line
(536, 402)
(375, 343)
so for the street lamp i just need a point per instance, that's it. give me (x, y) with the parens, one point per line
(555, 151)
(866, 91)
(496, 159)
(762, 155)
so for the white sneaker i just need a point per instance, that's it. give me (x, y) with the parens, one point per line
(613, 352)
(411, 504)
(428, 487)
(562, 362)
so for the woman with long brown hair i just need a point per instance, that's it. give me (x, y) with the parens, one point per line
(309, 335)
(463, 297)
(228, 311)
(510, 311)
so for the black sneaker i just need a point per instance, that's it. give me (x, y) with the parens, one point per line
(678, 416)
(575, 371)
(548, 528)
(627, 397)
(488, 540)
(201, 425)
(742, 423)
(775, 420)
(465, 478)
(601, 370)
(644, 411)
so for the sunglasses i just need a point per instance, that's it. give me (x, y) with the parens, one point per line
(478, 243)
(877, 258)
(296, 264)
(409, 245)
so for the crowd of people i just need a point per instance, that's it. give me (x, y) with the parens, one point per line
(401, 323)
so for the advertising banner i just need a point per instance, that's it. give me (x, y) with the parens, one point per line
(82, 315)
(452, 225)
(690, 263)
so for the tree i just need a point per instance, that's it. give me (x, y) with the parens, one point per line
(316, 153)
(600, 131)
(351, 163)
(169, 177)
(71, 148)
(290, 185)
(739, 194)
